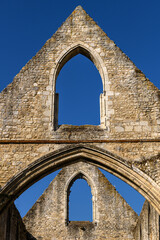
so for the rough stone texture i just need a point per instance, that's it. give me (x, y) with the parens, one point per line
(113, 218)
(148, 224)
(130, 101)
(129, 110)
(11, 225)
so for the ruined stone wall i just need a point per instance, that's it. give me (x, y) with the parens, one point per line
(130, 102)
(130, 107)
(16, 157)
(112, 217)
(11, 225)
(148, 224)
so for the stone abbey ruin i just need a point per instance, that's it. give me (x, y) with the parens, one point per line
(126, 144)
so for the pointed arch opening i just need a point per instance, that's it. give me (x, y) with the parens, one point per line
(79, 86)
(104, 189)
(65, 56)
(79, 201)
(94, 155)
(93, 215)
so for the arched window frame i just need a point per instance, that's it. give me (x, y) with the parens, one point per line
(64, 57)
(69, 183)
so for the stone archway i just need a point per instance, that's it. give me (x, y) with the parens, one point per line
(89, 180)
(73, 50)
(126, 144)
(96, 156)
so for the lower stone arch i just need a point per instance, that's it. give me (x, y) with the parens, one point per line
(94, 155)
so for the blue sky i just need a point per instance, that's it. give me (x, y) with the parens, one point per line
(26, 25)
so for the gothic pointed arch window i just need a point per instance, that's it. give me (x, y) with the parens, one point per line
(91, 214)
(79, 86)
(80, 201)
(94, 57)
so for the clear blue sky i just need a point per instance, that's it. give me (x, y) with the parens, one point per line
(26, 25)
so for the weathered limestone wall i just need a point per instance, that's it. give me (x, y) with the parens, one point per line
(16, 157)
(131, 101)
(148, 224)
(112, 216)
(129, 107)
(11, 225)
